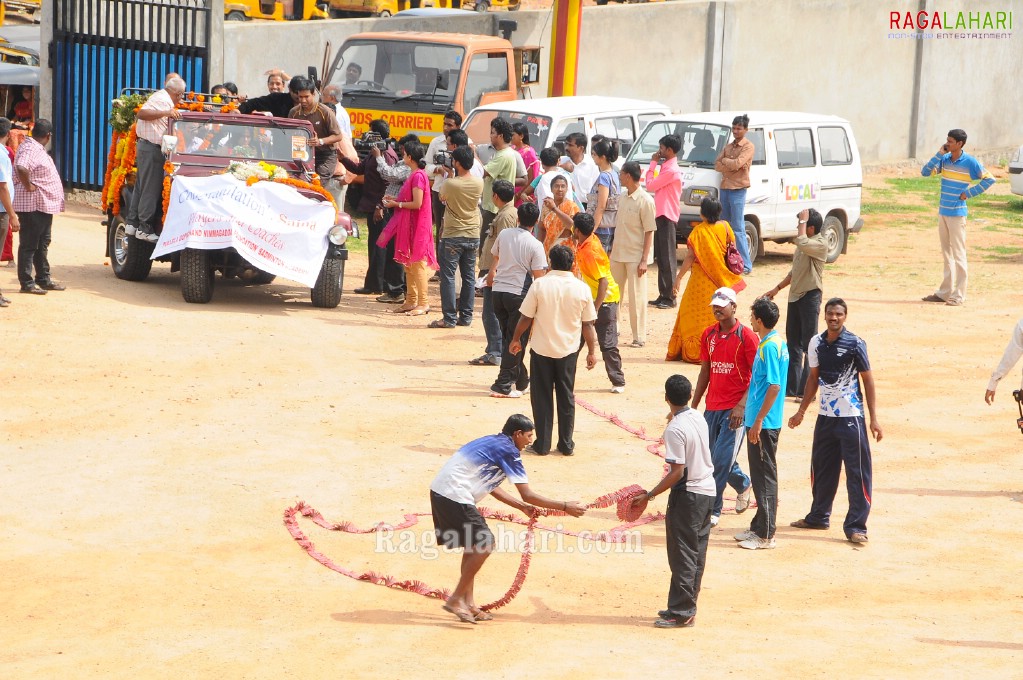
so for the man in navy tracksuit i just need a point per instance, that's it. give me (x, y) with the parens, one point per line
(838, 361)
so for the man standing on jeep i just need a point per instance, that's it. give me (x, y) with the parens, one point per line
(324, 122)
(153, 122)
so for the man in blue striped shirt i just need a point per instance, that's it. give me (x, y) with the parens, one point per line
(958, 170)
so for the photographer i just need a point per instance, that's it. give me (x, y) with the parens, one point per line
(438, 170)
(1013, 352)
(384, 276)
(460, 240)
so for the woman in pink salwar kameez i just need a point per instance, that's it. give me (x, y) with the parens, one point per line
(411, 227)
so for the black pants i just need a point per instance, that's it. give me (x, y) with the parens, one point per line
(606, 328)
(383, 274)
(438, 218)
(513, 374)
(549, 378)
(763, 472)
(800, 326)
(33, 247)
(687, 528)
(666, 256)
(147, 198)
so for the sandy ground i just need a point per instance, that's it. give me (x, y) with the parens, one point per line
(150, 447)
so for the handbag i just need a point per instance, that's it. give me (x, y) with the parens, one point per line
(733, 260)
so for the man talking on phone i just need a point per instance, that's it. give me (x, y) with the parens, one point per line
(958, 170)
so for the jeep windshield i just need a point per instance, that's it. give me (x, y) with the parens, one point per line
(478, 126)
(266, 142)
(701, 142)
(397, 69)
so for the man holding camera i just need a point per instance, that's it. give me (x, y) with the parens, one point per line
(437, 169)
(806, 288)
(459, 241)
(373, 188)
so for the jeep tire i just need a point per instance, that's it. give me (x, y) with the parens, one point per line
(129, 256)
(196, 275)
(327, 292)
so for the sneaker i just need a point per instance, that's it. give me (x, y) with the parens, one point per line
(745, 535)
(675, 622)
(129, 229)
(152, 238)
(742, 501)
(141, 235)
(617, 389)
(714, 519)
(858, 537)
(392, 299)
(757, 543)
(514, 394)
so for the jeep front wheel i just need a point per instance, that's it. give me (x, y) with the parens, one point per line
(327, 292)
(129, 256)
(196, 275)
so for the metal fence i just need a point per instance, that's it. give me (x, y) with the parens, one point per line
(103, 46)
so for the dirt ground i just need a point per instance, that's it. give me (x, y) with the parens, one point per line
(150, 448)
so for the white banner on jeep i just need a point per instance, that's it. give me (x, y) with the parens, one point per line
(271, 225)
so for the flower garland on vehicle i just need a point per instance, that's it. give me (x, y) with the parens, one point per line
(119, 175)
(197, 102)
(168, 172)
(250, 173)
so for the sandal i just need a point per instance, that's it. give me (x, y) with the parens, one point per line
(418, 311)
(401, 310)
(439, 323)
(463, 616)
(480, 615)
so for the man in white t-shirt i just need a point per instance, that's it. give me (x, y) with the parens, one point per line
(8, 218)
(558, 308)
(690, 503)
(476, 470)
(518, 259)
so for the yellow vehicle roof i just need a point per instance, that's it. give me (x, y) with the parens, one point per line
(461, 39)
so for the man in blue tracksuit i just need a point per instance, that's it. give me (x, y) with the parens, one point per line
(838, 361)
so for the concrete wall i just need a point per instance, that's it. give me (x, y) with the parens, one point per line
(821, 56)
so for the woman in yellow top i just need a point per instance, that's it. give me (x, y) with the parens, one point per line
(556, 215)
(705, 260)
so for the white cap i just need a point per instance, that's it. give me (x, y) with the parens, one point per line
(723, 297)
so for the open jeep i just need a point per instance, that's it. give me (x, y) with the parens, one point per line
(238, 198)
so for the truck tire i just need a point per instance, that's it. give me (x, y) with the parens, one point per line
(753, 239)
(236, 16)
(482, 6)
(196, 275)
(834, 235)
(129, 257)
(327, 292)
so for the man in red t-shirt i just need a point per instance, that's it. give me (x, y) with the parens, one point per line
(727, 350)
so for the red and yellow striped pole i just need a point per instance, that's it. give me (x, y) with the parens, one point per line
(564, 48)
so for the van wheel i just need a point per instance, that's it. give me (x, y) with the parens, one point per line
(236, 16)
(196, 275)
(482, 5)
(383, 13)
(753, 239)
(834, 235)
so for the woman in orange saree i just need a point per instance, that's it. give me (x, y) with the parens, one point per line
(556, 216)
(705, 262)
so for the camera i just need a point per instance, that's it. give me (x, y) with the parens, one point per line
(370, 140)
(443, 158)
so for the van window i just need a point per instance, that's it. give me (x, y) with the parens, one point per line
(619, 128)
(645, 118)
(756, 135)
(488, 72)
(701, 143)
(835, 149)
(795, 148)
(566, 127)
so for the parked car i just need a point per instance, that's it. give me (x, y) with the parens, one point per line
(551, 119)
(802, 160)
(1016, 172)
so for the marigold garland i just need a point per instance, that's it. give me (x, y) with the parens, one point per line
(120, 174)
(111, 160)
(168, 171)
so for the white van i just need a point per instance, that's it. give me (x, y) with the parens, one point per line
(551, 119)
(802, 160)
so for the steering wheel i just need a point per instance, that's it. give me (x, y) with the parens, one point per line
(374, 85)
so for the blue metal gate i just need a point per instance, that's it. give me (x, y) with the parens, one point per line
(103, 46)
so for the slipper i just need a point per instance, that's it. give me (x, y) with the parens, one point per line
(439, 323)
(481, 615)
(463, 616)
(803, 524)
(401, 310)
(415, 311)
